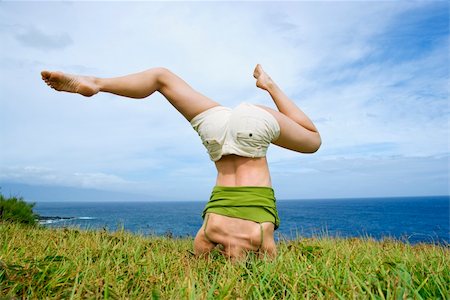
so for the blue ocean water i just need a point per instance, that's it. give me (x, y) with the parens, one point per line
(411, 219)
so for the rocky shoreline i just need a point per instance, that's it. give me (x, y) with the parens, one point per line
(53, 219)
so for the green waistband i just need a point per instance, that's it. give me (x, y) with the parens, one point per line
(253, 203)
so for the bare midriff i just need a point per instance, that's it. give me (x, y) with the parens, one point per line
(234, 170)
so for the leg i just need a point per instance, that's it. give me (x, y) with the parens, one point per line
(298, 132)
(140, 85)
(294, 136)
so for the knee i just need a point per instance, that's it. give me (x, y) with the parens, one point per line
(162, 71)
(312, 144)
(162, 74)
(316, 143)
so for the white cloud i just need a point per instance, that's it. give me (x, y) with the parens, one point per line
(46, 176)
(33, 37)
(337, 177)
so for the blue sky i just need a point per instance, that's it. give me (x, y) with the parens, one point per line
(373, 76)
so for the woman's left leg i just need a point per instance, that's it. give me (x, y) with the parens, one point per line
(139, 85)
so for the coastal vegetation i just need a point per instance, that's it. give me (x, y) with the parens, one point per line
(15, 209)
(69, 263)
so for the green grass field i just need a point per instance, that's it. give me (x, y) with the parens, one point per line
(41, 263)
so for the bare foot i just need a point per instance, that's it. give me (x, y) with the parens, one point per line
(263, 81)
(70, 83)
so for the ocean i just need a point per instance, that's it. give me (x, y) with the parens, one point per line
(409, 219)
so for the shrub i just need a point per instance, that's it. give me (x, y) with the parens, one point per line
(15, 209)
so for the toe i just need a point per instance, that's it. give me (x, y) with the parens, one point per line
(45, 74)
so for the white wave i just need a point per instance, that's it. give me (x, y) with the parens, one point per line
(52, 221)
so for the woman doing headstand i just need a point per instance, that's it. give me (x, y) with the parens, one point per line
(241, 215)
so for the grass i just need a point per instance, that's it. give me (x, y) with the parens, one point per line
(42, 263)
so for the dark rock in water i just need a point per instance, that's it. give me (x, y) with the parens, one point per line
(44, 218)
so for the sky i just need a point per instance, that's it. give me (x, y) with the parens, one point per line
(372, 76)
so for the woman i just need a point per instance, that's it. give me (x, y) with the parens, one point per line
(241, 215)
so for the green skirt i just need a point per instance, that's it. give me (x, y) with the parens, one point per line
(252, 203)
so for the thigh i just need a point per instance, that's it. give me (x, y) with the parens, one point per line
(183, 97)
(292, 135)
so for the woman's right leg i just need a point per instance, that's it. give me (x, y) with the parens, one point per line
(297, 131)
(139, 85)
